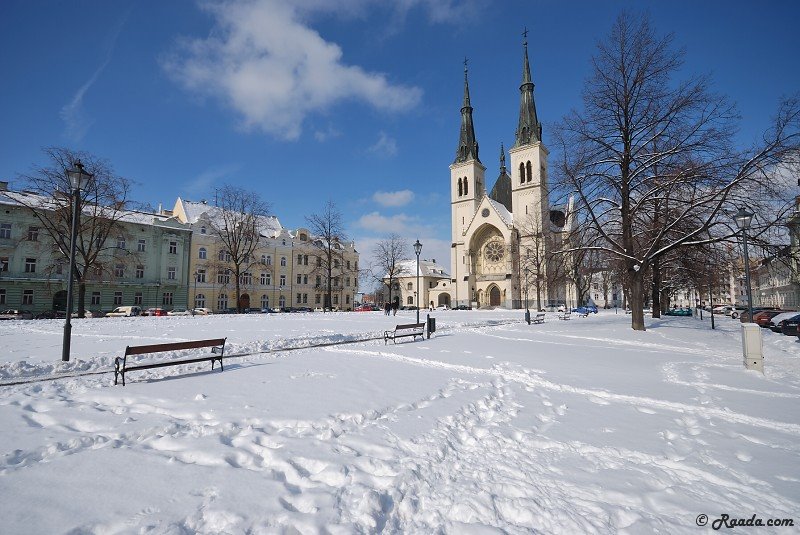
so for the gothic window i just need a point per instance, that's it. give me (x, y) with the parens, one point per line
(466, 187)
(410, 286)
(530, 176)
(460, 188)
(493, 251)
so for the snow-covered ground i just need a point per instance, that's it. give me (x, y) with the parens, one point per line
(492, 425)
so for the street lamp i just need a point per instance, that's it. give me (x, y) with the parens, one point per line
(743, 219)
(78, 179)
(418, 250)
(196, 275)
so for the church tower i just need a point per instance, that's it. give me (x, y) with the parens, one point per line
(529, 197)
(467, 185)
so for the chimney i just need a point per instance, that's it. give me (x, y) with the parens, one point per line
(3, 186)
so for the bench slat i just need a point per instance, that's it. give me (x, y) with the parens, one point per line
(171, 363)
(174, 346)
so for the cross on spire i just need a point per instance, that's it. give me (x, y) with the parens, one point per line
(525, 36)
(465, 63)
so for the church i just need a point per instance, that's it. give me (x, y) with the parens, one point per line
(503, 241)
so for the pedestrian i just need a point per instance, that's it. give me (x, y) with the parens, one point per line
(430, 308)
(395, 306)
(386, 307)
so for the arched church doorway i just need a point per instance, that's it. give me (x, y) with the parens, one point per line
(244, 301)
(494, 296)
(60, 300)
(444, 299)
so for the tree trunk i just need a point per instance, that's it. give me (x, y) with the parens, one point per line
(656, 289)
(636, 299)
(665, 300)
(81, 299)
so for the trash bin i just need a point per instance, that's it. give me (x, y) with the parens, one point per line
(431, 325)
(752, 347)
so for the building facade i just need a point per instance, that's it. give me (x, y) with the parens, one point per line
(144, 260)
(431, 276)
(284, 271)
(504, 239)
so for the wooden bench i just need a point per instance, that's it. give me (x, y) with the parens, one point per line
(539, 318)
(564, 315)
(217, 346)
(400, 331)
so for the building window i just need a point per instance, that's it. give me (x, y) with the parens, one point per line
(299, 279)
(305, 279)
(317, 299)
(283, 280)
(348, 264)
(139, 272)
(410, 300)
(305, 259)
(305, 299)
(137, 298)
(460, 188)
(265, 301)
(202, 253)
(141, 246)
(283, 261)
(173, 247)
(27, 297)
(4, 263)
(201, 275)
(410, 286)
(528, 168)
(299, 298)
(521, 173)
(202, 230)
(246, 278)
(282, 301)
(347, 282)
(199, 301)
(224, 277)
(5, 230)
(33, 233)
(319, 261)
(95, 298)
(2, 296)
(264, 279)
(119, 271)
(166, 298)
(335, 299)
(299, 259)
(30, 265)
(117, 298)
(466, 187)
(347, 299)
(269, 260)
(171, 273)
(120, 242)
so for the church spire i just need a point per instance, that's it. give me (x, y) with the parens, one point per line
(467, 144)
(502, 159)
(529, 129)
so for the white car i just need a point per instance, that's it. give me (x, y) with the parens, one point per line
(179, 312)
(120, 312)
(723, 309)
(443, 307)
(202, 311)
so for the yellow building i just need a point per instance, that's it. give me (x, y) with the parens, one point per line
(285, 270)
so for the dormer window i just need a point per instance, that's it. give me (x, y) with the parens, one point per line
(202, 230)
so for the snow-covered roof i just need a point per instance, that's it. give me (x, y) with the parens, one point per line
(269, 226)
(41, 202)
(502, 211)
(427, 268)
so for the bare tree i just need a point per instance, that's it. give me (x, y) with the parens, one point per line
(328, 233)
(103, 203)
(644, 139)
(389, 265)
(236, 221)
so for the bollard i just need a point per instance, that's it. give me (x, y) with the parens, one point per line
(752, 347)
(431, 325)
(528, 316)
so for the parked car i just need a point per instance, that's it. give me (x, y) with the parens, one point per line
(443, 307)
(179, 312)
(761, 318)
(51, 314)
(462, 307)
(723, 309)
(15, 314)
(678, 312)
(791, 327)
(155, 311)
(774, 323)
(120, 312)
(585, 309)
(202, 311)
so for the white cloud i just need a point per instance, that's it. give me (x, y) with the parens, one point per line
(386, 146)
(375, 222)
(204, 182)
(274, 70)
(393, 198)
(323, 135)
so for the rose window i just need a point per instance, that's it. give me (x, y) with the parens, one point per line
(493, 251)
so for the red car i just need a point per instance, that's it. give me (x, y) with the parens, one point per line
(762, 318)
(155, 312)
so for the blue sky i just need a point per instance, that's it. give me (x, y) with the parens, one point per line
(351, 100)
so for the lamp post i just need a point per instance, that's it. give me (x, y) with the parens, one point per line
(743, 219)
(78, 180)
(418, 250)
(195, 292)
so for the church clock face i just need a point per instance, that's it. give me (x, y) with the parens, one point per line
(493, 251)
